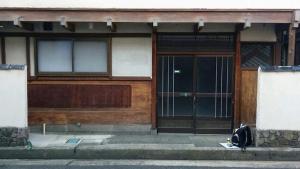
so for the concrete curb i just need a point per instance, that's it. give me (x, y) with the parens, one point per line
(152, 152)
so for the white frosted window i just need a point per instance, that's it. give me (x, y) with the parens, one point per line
(15, 48)
(55, 56)
(90, 56)
(132, 57)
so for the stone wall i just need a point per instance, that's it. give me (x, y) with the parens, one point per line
(277, 138)
(12, 136)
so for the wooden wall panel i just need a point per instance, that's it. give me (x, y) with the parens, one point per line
(139, 111)
(78, 96)
(248, 97)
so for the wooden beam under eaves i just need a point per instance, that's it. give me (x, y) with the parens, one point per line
(154, 26)
(199, 26)
(247, 24)
(111, 26)
(66, 25)
(17, 22)
(296, 21)
(23, 25)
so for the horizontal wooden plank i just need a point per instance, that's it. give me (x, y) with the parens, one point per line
(87, 78)
(117, 116)
(90, 82)
(204, 54)
(149, 16)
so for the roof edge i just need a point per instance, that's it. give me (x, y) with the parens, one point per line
(149, 9)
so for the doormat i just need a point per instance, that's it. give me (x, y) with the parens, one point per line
(227, 146)
(73, 141)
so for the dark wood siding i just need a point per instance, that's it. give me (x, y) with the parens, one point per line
(91, 102)
(79, 96)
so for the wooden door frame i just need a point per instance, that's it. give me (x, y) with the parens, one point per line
(235, 55)
(237, 79)
(154, 81)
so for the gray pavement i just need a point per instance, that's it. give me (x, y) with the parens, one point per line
(204, 140)
(141, 164)
(58, 140)
(154, 147)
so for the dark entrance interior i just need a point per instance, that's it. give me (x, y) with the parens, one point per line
(194, 83)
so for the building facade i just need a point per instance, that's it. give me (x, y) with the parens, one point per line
(168, 70)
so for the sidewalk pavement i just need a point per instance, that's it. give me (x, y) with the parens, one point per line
(155, 147)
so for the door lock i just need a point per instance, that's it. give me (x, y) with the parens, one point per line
(177, 71)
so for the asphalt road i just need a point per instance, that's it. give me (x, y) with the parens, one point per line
(116, 167)
(142, 164)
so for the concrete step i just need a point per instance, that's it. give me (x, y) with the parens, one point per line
(145, 164)
(151, 151)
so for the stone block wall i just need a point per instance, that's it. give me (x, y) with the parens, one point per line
(12, 136)
(277, 138)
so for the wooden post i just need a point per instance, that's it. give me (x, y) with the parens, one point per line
(237, 77)
(3, 53)
(153, 91)
(277, 49)
(291, 47)
(28, 57)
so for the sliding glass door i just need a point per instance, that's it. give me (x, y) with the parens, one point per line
(194, 94)
(194, 82)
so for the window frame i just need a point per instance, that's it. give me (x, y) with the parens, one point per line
(71, 74)
(272, 44)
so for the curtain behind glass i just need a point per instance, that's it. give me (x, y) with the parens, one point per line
(55, 56)
(90, 56)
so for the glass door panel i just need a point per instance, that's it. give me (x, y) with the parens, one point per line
(175, 92)
(175, 87)
(213, 93)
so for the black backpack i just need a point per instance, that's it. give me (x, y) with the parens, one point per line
(242, 137)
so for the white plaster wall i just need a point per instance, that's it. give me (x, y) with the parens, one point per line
(259, 33)
(278, 101)
(83, 27)
(154, 4)
(189, 27)
(121, 28)
(218, 27)
(13, 98)
(9, 27)
(38, 27)
(15, 49)
(175, 27)
(97, 28)
(134, 28)
(132, 57)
